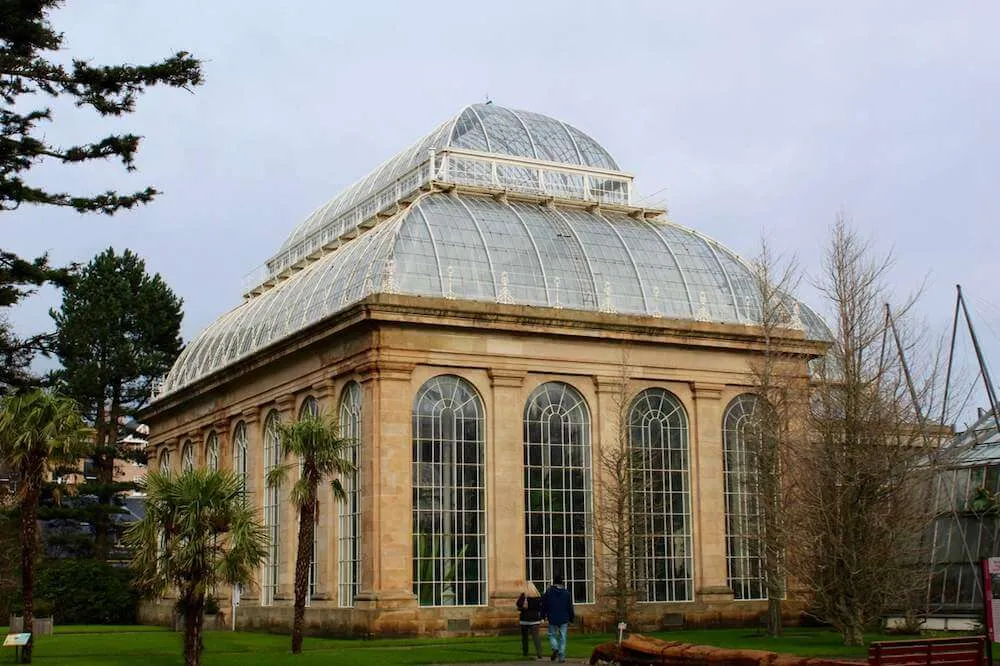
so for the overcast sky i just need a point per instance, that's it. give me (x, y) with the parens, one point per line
(742, 117)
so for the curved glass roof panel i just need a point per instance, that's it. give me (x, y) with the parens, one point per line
(478, 248)
(489, 128)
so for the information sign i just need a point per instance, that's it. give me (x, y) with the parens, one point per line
(16, 640)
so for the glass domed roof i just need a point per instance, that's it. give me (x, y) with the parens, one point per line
(489, 128)
(461, 242)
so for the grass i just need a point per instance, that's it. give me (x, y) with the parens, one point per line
(155, 646)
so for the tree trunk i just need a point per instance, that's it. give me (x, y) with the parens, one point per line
(29, 548)
(104, 464)
(303, 560)
(774, 628)
(194, 616)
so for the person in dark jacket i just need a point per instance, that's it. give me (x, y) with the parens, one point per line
(531, 618)
(557, 607)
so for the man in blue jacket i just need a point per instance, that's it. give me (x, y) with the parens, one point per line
(557, 607)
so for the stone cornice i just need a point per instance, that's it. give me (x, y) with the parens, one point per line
(402, 309)
(507, 378)
(386, 370)
(706, 391)
(285, 404)
(607, 384)
(323, 389)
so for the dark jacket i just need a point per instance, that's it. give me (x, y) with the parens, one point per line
(557, 605)
(531, 609)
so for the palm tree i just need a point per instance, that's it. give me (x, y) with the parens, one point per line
(316, 442)
(38, 431)
(197, 533)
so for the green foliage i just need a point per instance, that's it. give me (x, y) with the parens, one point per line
(118, 330)
(196, 532)
(27, 40)
(88, 592)
(38, 430)
(315, 441)
(10, 563)
(28, 76)
(429, 555)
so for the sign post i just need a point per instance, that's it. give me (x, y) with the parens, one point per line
(991, 602)
(17, 641)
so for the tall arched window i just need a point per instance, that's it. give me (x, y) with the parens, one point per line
(310, 408)
(661, 508)
(350, 509)
(212, 451)
(164, 466)
(240, 457)
(187, 457)
(557, 489)
(272, 510)
(449, 517)
(741, 436)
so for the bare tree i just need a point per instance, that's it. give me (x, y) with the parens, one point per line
(860, 500)
(616, 529)
(773, 425)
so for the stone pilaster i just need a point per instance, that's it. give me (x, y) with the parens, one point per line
(386, 482)
(505, 488)
(255, 484)
(222, 427)
(707, 490)
(289, 528)
(327, 509)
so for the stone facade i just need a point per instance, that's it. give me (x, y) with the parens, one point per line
(391, 345)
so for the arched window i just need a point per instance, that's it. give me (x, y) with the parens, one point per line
(187, 457)
(661, 509)
(272, 509)
(240, 457)
(310, 408)
(164, 466)
(350, 510)
(449, 517)
(557, 489)
(741, 437)
(212, 451)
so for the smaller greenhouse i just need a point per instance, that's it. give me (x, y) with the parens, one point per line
(965, 529)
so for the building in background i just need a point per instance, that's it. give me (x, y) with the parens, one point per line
(471, 311)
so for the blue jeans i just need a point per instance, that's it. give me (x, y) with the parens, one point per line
(557, 639)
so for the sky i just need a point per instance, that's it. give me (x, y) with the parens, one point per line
(744, 119)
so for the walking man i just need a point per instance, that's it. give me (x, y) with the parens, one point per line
(531, 618)
(557, 606)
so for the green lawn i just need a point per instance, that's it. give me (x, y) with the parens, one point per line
(153, 646)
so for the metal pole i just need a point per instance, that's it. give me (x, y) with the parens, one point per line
(983, 370)
(906, 373)
(951, 355)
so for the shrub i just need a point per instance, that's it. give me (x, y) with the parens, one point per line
(88, 592)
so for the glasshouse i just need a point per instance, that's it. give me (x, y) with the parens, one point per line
(486, 313)
(965, 529)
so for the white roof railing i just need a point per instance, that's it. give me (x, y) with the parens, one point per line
(445, 167)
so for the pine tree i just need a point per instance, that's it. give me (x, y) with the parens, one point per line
(28, 43)
(117, 331)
